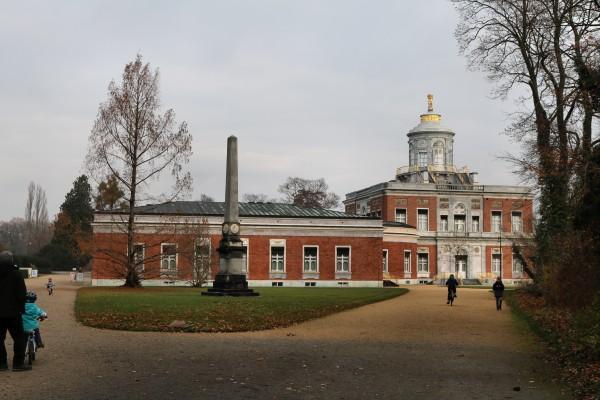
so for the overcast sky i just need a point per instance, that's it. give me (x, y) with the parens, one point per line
(310, 88)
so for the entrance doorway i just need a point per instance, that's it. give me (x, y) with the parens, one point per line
(461, 266)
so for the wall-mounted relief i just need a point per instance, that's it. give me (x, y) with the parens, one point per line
(422, 202)
(475, 204)
(459, 208)
(517, 204)
(401, 202)
(444, 202)
(497, 204)
(423, 250)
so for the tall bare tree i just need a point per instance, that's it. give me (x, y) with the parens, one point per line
(134, 142)
(196, 249)
(36, 218)
(549, 50)
(309, 193)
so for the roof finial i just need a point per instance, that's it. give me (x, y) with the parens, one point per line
(429, 103)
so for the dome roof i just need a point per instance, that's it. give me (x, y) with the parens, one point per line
(430, 121)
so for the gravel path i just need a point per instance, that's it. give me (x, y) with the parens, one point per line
(410, 347)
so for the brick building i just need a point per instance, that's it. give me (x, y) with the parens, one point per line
(430, 221)
(463, 227)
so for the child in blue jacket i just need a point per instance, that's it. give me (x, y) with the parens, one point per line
(32, 316)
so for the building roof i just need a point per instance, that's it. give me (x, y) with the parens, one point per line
(246, 210)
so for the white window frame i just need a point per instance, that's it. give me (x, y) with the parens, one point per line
(405, 215)
(444, 223)
(463, 218)
(168, 257)
(493, 226)
(385, 260)
(419, 270)
(516, 227)
(420, 160)
(516, 261)
(439, 155)
(495, 267)
(349, 259)
(419, 222)
(312, 246)
(407, 262)
(199, 243)
(143, 255)
(273, 245)
(473, 219)
(246, 243)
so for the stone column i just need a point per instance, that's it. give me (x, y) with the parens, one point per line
(231, 279)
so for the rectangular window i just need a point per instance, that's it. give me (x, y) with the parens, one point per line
(168, 257)
(496, 221)
(401, 215)
(422, 159)
(423, 220)
(311, 259)
(444, 223)
(496, 261)
(516, 221)
(517, 265)
(475, 224)
(407, 261)
(422, 262)
(277, 258)
(202, 254)
(138, 256)
(385, 261)
(459, 223)
(342, 259)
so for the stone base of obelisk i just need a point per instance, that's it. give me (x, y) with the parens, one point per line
(230, 285)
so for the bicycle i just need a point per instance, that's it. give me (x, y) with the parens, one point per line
(451, 297)
(31, 348)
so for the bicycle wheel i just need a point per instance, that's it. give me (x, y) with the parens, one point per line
(31, 350)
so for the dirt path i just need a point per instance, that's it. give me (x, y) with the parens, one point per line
(410, 347)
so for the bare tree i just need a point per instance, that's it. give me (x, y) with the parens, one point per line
(36, 218)
(132, 141)
(257, 198)
(204, 198)
(550, 48)
(309, 193)
(196, 249)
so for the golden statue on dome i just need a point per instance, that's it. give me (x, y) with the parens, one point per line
(429, 103)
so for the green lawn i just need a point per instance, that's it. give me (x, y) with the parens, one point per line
(153, 309)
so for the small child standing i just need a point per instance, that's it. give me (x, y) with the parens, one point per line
(50, 286)
(31, 318)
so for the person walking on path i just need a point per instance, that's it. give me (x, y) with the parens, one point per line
(498, 288)
(12, 306)
(452, 283)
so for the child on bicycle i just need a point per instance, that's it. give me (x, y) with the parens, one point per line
(50, 286)
(32, 317)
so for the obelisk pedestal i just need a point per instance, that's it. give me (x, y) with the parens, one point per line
(231, 279)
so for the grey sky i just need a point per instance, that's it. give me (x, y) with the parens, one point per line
(311, 88)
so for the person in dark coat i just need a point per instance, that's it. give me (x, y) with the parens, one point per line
(498, 288)
(12, 306)
(452, 283)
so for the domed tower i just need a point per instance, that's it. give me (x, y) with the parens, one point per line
(431, 152)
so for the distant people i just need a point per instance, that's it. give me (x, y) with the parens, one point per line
(32, 317)
(50, 286)
(12, 307)
(498, 288)
(452, 284)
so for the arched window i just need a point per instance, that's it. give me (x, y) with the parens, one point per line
(438, 153)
